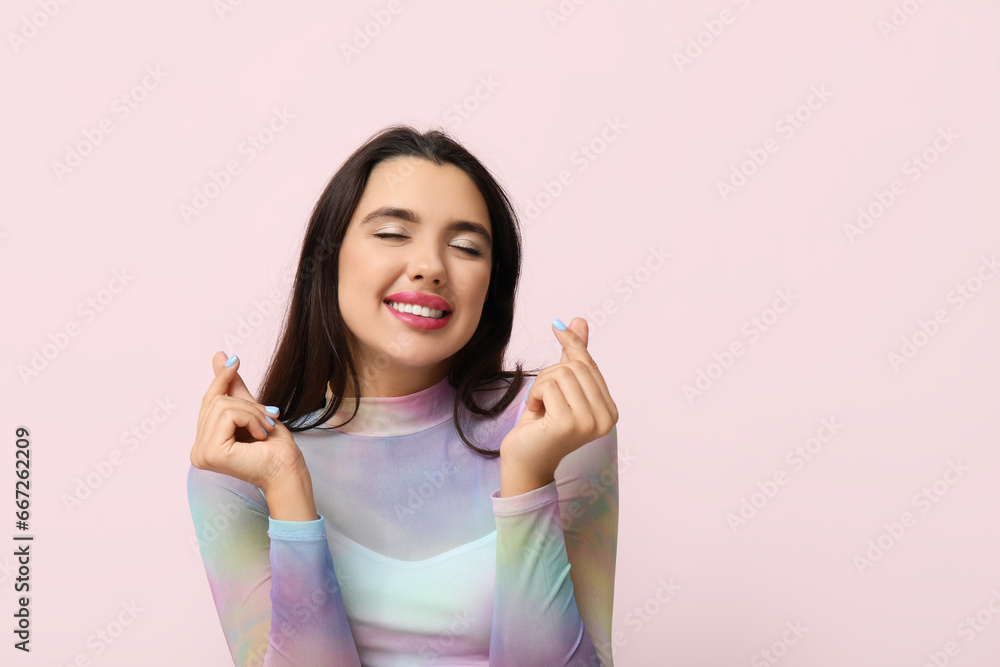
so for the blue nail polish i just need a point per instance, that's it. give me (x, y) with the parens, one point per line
(557, 323)
(232, 360)
(270, 408)
(270, 420)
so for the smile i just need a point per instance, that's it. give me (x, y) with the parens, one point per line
(419, 317)
(421, 311)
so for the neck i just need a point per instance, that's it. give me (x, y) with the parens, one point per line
(380, 376)
(390, 382)
(394, 415)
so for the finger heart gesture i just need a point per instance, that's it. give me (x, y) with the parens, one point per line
(236, 435)
(567, 406)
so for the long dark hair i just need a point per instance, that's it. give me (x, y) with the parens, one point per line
(313, 349)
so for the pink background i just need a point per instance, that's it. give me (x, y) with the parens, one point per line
(687, 464)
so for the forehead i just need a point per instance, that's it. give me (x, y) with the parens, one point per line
(434, 192)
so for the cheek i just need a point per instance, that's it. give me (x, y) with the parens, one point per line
(485, 284)
(350, 288)
(358, 275)
(477, 289)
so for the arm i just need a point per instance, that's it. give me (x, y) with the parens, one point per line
(272, 580)
(545, 611)
(588, 497)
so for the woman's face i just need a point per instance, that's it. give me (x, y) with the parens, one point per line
(421, 234)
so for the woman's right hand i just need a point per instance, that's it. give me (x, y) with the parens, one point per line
(228, 412)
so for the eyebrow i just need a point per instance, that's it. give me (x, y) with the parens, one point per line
(410, 216)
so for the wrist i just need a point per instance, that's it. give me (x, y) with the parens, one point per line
(290, 497)
(517, 477)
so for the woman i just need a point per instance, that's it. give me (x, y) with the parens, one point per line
(454, 514)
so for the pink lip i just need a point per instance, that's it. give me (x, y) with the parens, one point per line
(420, 299)
(417, 321)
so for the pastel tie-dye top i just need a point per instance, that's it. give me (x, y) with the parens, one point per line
(415, 559)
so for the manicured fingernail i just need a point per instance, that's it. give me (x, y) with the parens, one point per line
(270, 420)
(270, 408)
(557, 323)
(232, 360)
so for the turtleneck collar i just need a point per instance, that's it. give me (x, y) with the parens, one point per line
(389, 416)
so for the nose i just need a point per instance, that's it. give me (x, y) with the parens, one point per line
(426, 263)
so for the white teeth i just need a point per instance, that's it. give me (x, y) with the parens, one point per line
(422, 311)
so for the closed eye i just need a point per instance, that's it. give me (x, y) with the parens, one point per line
(385, 235)
(470, 251)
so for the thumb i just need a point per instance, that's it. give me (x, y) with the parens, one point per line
(578, 326)
(235, 385)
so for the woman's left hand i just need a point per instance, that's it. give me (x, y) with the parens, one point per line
(568, 406)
